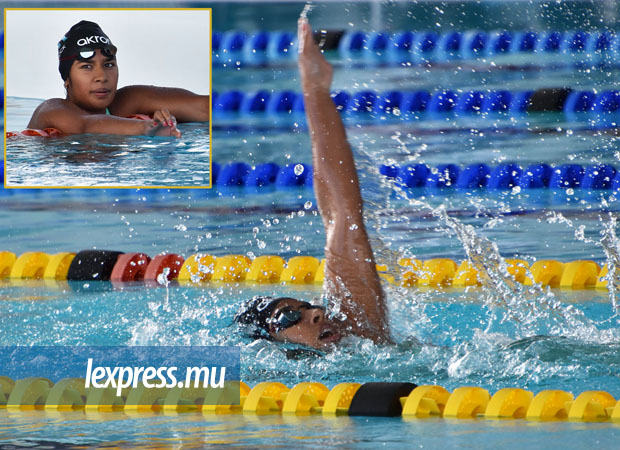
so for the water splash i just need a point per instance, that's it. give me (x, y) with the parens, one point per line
(530, 310)
(610, 245)
(534, 309)
(162, 280)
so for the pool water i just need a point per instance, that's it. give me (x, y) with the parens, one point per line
(499, 335)
(287, 223)
(75, 430)
(450, 337)
(444, 337)
(104, 160)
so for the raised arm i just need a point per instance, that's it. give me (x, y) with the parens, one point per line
(183, 104)
(350, 272)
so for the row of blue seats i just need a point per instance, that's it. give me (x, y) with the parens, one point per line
(502, 176)
(410, 46)
(406, 103)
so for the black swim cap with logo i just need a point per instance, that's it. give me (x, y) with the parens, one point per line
(255, 314)
(83, 36)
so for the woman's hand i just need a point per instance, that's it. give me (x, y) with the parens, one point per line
(163, 124)
(316, 73)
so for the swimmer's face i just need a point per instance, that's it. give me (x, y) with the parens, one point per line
(313, 330)
(91, 84)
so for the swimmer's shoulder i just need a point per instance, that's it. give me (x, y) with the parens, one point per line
(49, 111)
(130, 99)
(60, 114)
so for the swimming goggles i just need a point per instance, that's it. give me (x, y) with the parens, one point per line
(87, 53)
(289, 316)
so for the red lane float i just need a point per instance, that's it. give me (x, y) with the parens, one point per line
(170, 261)
(130, 267)
(47, 132)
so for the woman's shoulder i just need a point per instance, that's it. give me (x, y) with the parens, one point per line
(54, 104)
(127, 100)
(51, 107)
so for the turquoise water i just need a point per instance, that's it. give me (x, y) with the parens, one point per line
(198, 431)
(450, 337)
(283, 223)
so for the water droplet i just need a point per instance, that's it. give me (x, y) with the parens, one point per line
(299, 169)
(180, 227)
(353, 227)
(308, 205)
(203, 268)
(162, 278)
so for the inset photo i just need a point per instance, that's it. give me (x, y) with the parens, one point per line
(107, 98)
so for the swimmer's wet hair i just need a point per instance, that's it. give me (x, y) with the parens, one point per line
(255, 314)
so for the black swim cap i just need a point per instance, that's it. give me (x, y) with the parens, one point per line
(81, 36)
(255, 314)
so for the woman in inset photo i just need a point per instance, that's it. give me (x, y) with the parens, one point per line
(108, 98)
(94, 104)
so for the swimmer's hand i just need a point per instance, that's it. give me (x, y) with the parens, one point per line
(163, 124)
(316, 72)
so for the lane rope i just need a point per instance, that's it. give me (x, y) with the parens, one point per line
(201, 268)
(373, 399)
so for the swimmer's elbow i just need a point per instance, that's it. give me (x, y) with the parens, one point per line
(205, 109)
(200, 110)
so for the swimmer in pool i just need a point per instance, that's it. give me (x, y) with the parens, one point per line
(350, 271)
(88, 67)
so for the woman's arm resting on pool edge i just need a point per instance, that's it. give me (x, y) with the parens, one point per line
(183, 104)
(350, 272)
(68, 118)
